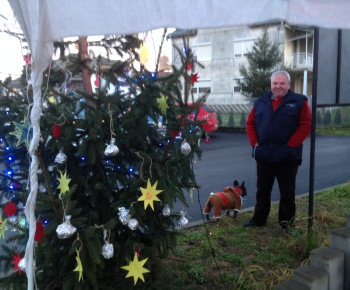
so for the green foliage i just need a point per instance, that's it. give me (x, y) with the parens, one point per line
(337, 118)
(234, 259)
(219, 116)
(264, 58)
(343, 130)
(100, 186)
(243, 119)
(319, 120)
(198, 273)
(231, 120)
(327, 119)
(345, 114)
(254, 258)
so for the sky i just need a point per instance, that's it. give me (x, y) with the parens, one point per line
(11, 51)
(11, 58)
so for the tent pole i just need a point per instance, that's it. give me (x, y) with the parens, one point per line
(313, 129)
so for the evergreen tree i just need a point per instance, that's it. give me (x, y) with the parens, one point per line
(264, 58)
(243, 119)
(219, 116)
(337, 117)
(231, 120)
(344, 114)
(327, 119)
(116, 192)
(319, 120)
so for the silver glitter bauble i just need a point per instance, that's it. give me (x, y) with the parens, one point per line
(107, 250)
(46, 104)
(124, 215)
(65, 230)
(61, 157)
(133, 224)
(166, 210)
(22, 265)
(185, 148)
(198, 131)
(183, 222)
(13, 219)
(15, 166)
(112, 149)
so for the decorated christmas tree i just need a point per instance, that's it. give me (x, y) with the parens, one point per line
(112, 166)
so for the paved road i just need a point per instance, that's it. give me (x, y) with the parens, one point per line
(228, 157)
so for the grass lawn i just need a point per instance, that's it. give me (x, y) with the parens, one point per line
(225, 255)
(333, 130)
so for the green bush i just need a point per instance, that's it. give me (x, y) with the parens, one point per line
(243, 119)
(218, 114)
(337, 118)
(327, 118)
(231, 120)
(318, 118)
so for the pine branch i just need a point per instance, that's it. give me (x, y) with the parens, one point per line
(11, 179)
(160, 48)
(175, 258)
(9, 89)
(48, 185)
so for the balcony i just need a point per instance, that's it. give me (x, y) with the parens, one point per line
(300, 61)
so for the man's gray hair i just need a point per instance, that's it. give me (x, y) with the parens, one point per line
(281, 72)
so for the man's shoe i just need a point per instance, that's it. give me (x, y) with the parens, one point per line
(288, 232)
(251, 223)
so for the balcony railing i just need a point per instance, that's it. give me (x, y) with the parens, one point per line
(300, 60)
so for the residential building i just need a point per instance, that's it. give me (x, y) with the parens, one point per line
(222, 50)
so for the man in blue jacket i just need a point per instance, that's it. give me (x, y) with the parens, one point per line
(276, 127)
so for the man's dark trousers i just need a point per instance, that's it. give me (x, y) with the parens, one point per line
(285, 173)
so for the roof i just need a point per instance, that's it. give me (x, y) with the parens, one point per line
(181, 32)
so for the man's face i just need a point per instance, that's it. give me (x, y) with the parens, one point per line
(279, 86)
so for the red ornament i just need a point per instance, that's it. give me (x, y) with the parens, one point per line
(56, 131)
(207, 140)
(15, 262)
(16, 185)
(97, 81)
(194, 78)
(39, 233)
(175, 133)
(27, 58)
(189, 66)
(10, 209)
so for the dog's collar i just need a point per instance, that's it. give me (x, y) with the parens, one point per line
(239, 190)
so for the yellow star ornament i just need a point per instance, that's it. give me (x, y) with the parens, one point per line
(3, 227)
(79, 267)
(52, 100)
(136, 269)
(143, 54)
(149, 194)
(162, 104)
(63, 187)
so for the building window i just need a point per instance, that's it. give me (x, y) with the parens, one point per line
(202, 51)
(237, 89)
(201, 88)
(242, 47)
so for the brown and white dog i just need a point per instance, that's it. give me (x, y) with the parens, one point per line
(230, 198)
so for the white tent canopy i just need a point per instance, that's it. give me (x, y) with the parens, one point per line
(44, 21)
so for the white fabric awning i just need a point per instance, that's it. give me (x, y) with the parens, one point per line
(44, 21)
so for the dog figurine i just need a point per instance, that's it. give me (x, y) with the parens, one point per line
(230, 198)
